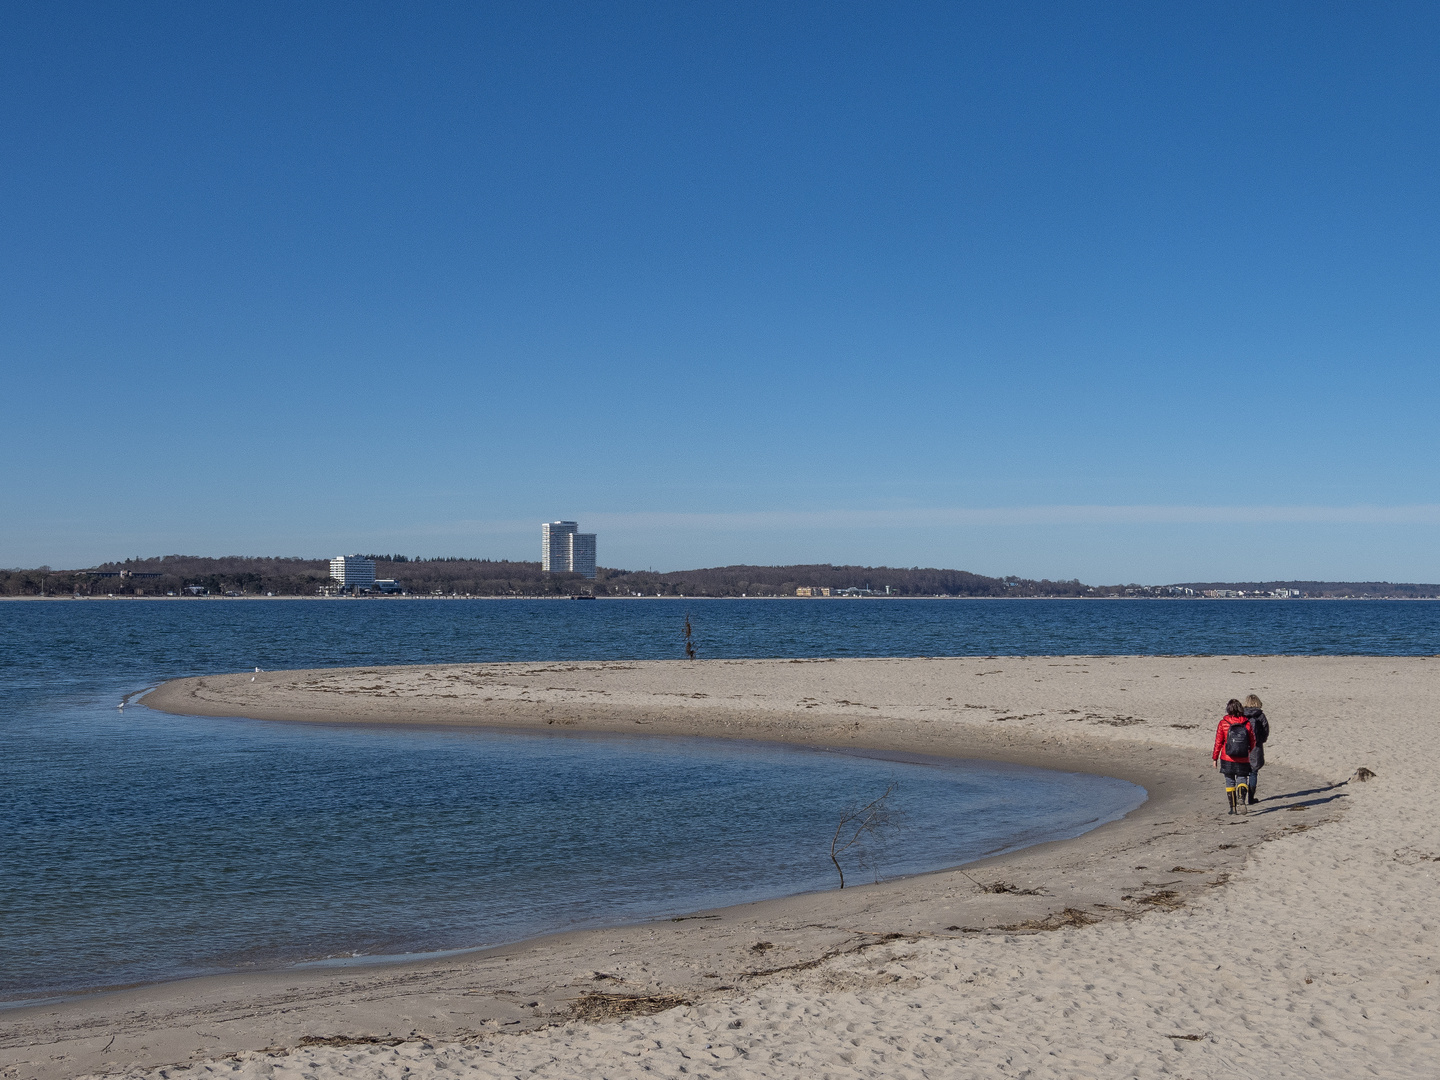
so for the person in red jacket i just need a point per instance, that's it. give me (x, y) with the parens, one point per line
(1234, 739)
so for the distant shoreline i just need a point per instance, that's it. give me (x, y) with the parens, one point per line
(292, 576)
(825, 599)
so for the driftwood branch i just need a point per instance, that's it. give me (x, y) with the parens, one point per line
(859, 823)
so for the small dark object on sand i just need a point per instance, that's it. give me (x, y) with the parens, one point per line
(1006, 887)
(1362, 774)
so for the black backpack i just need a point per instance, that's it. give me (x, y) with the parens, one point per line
(1237, 740)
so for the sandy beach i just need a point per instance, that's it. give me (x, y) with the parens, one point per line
(1300, 940)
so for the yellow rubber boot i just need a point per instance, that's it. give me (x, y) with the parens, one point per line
(1230, 794)
(1242, 798)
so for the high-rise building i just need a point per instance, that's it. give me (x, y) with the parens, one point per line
(353, 571)
(555, 545)
(582, 554)
(565, 550)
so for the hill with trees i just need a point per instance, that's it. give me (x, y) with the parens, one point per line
(249, 576)
(498, 577)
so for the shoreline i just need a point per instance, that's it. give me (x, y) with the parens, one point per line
(714, 960)
(618, 596)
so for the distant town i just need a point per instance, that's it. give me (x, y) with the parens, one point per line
(568, 567)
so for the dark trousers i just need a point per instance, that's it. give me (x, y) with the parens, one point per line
(1233, 776)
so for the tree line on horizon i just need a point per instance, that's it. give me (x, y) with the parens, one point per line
(449, 576)
(502, 577)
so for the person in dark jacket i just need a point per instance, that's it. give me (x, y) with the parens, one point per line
(1260, 725)
(1232, 755)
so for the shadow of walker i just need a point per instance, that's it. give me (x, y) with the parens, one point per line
(1329, 793)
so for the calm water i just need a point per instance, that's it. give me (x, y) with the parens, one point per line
(138, 846)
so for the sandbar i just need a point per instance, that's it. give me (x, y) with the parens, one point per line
(1299, 940)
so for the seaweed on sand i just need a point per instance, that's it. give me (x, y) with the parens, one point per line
(1058, 920)
(593, 1005)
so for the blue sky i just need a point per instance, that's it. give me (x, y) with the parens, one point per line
(1119, 292)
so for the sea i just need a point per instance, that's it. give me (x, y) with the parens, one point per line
(138, 847)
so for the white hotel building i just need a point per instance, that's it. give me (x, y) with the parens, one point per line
(353, 571)
(565, 550)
